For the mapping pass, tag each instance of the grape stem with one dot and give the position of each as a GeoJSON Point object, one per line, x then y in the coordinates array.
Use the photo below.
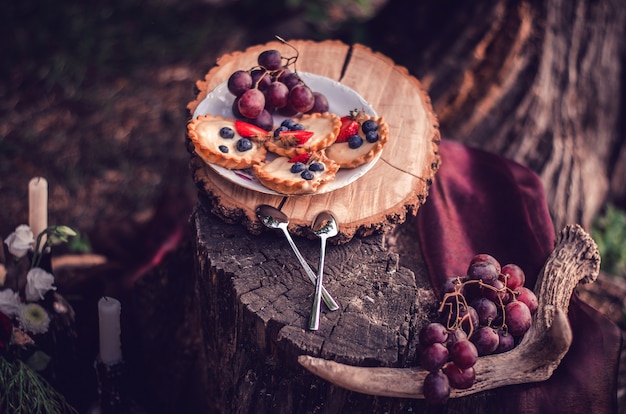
{"type": "Point", "coordinates": [291, 60]}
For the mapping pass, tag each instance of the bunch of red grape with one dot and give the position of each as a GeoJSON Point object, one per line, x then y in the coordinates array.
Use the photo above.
{"type": "Point", "coordinates": [485, 312]}
{"type": "Point", "coordinates": [272, 87]}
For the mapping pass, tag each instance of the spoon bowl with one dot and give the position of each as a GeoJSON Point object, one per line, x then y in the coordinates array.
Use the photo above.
{"type": "Point", "coordinates": [324, 226]}
{"type": "Point", "coordinates": [273, 218]}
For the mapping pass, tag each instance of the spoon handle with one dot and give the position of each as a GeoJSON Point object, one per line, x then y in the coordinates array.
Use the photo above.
{"type": "Point", "coordinates": [328, 300]}
{"type": "Point", "coordinates": [314, 321]}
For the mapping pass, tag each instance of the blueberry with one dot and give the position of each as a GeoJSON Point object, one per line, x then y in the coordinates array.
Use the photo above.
{"type": "Point", "coordinates": [369, 125]}
{"type": "Point", "coordinates": [316, 166]}
{"type": "Point", "coordinates": [371, 136]}
{"type": "Point", "coordinates": [307, 175]}
{"type": "Point", "coordinates": [227, 133]}
{"type": "Point", "coordinates": [355, 141]}
{"type": "Point", "coordinates": [280, 129]}
{"type": "Point", "coordinates": [297, 167]}
{"type": "Point", "coordinates": [223, 148]}
{"type": "Point", "coordinates": [244, 144]}
{"type": "Point", "coordinates": [297, 127]}
{"type": "Point", "coordinates": [289, 123]}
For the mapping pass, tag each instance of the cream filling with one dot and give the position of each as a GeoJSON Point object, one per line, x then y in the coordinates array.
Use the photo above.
{"type": "Point", "coordinates": [209, 133]}
{"type": "Point", "coordinates": [321, 127]}
{"type": "Point", "coordinates": [280, 168]}
{"type": "Point", "coordinates": [341, 153]}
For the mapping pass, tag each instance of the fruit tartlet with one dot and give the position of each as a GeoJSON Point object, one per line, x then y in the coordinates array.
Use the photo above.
{"type": "Point", "coordinates": [360, 140]}
{"type": "Point", "coordinates": [301, 174]}
{"type": "Point", "coordinates": [309, 133]}
{"type": "Point", "coordinates": [226, 142]}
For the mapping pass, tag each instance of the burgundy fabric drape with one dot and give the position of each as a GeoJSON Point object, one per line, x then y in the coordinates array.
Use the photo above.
{"type": "Point", "coordinates": [483, 203]}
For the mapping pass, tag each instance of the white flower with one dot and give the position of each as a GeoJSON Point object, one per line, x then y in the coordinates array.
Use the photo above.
{"type": "Point", "coordinates": [33, 318]}
{"type": "Point", "coordinates": [20, 241]}
{"type": "Point", "coordinates": [9, 302]}
{"type": "Point", "coordinates": [38, 282]}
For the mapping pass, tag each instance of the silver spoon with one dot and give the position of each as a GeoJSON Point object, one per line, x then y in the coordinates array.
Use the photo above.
{"type": "Point", "coordinates": [324, 226]}
{"type": "Point", "coordinates": [275, 219]}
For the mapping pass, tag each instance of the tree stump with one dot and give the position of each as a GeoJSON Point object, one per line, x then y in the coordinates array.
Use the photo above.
{"type": "Point", "coordinates": [254, 302]}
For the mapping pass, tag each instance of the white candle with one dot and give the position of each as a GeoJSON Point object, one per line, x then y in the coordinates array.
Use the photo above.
{"type": "Point", "coordinates": [109, 311]}
{"type": "Point", "coordinates": [38, 206]}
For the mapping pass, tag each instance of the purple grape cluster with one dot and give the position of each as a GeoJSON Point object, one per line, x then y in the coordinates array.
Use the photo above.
{"type": "Point", "coordinates": [486, 311]}
{"type": "Point", "coordinates": [270, 88]}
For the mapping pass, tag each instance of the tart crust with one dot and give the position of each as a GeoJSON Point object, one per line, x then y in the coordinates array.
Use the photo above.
{"type": "Point", "coordinates": [347, 157]}
{"type": "Point", "coordinates": [276, 175]}
{"type": "Point", "coordinates": [204, 132]}
{"type": "Point", "coordinates": [325, 127]}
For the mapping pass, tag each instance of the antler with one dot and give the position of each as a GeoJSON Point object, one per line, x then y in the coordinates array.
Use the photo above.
{"type": "Point", "coordinates": [574, 259]}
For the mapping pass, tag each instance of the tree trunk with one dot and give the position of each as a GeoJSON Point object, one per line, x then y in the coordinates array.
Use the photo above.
{"type": "Point", "coordinates": [538, 82]}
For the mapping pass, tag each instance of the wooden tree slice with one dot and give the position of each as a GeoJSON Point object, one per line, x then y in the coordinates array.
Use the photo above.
{"type": "Point", "coordinates": [398, 183]}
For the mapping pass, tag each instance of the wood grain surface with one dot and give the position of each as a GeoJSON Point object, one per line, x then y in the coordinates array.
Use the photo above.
{"type": "Point", "coordinates": [396, 186]}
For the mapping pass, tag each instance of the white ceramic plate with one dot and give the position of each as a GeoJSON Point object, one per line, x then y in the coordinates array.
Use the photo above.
{"type": "Point", "coordinates": [341, 100]}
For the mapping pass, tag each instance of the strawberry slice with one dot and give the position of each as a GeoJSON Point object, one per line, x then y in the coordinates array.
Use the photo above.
{"type": "Point", "coordinates": [298, 137]}
{"type": "Point", "coordinates": [303, 158]}
{"type": "Point", "coordinates": [349, 127]}
{"type": "Point", "coordinates": [247, 130]}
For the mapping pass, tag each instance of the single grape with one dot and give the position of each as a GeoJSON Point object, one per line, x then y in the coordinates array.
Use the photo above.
{"type": "Point", "coordinates": [290, 79]}
{"type": "Point", "coordinates": [485, 271]}
{"type": "Point", "coordinates": [506, 342]}
{"type": "Point", "coordinates": [459, 378]}
{"type": "Point", "coordinates": [261, 79]}
{"type": "Point", "coordinates": [433, 356]}
{"type": "Point", "coordinates": [436, 388]}
{"type": "Point", "coordinates": [270, 59]}
{"type": "Point", "coordinates": [469, 319]}
{"type": "Point", "coordinates": [432, 333]}
{"type": "Point", "coordinates": [298, 167]}
{"type": "Point", "coordinates": [485, 339]}
{"type": "Point", "coordinates": [485, 258]}
{"type": "Point", "coordinates": [301, 98]}
{"type": "Point", "coordinates": [320, 105]}
{"type": "Point", "coordinates": [513, 275]}
{"type": "Point", "coordinates": [276, 95]}
{"type": "Point", "coordinates": [486, 309]}
{"type": "Point", "coordinates": [288, 110]}
{"type": "Point", "coordinates": [518, 317]}
{"type": "Point", "coordinates": [464, 354]}
{"type": "Point", "coordinates": [471, 291]}
{"type": "Point", "coordinates": [264, 120]}
{"type": "Point", "coordinates": [235, 108]}
{"type": "Point", "coordinates": [239, 82]}
{"type": "Point", "coordinates": [251, 103]}
{"type": "Point", "coordinates": [307, 175]}
{"type": "Point", "coordinates": [527, 296]}
{"type": "Point", "coordinates": [498, 294]}
{"type": "Point", "coordinates": [450, 285]}
{"type": "Point", "coordinates": [454, 336]}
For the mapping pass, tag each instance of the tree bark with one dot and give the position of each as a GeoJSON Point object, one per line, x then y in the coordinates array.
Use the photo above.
{"type": "Point", "coordinates": [538, 82]}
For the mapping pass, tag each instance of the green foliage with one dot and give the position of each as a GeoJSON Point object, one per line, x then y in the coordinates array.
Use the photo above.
{"type": "Point", "coordinates": [609, 233]}
{"type": "Point", "coordinates": [23, 391]}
